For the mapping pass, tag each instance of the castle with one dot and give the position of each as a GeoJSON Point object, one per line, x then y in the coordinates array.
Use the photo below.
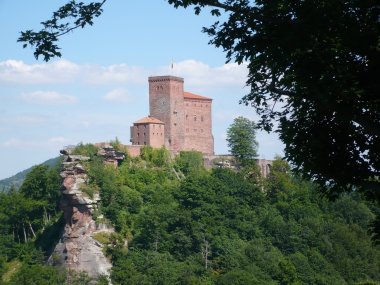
{"type": "Point", "coordinates": [178, 120]}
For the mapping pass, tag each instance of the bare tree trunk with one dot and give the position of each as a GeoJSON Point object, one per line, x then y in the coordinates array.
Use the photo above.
{"type": "Point", "coordinates": [31, 229]}
{"type": "Point", "coordinates": [25, 236]}
{"type": "Point", "coordinates": [156, 244]}
{"type": "Point", "coordinates": [176, 174]}
{"type": "Point", "coordinates": [46, 219]}
{"type": "Point", "coordinates": [206, 252]}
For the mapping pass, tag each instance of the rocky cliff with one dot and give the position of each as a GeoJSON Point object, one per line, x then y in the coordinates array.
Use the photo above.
{"type": "Point", "coordinates": [77, 249]}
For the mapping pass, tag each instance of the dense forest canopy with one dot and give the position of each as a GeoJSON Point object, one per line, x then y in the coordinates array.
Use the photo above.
{"type": "Point", "coordinates": [178, 223]}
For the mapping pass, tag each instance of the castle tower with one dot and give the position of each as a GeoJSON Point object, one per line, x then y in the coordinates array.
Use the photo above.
{"type": "Point", "coordinates": [166, 103]}
{"type": "Point", "coordinates": [198, 123]}
{"type": "Point", "coordinates": [148, 131]}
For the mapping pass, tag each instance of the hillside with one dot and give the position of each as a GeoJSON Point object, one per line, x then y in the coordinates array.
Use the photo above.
{"type": "Point", "coordinates": [178, 223]}
{"type": "Point", "coordinates": [17, 179]}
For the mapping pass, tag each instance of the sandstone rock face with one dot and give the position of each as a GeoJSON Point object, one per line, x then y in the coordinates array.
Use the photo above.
{"type": "Point", "coordinates": [77, 250]}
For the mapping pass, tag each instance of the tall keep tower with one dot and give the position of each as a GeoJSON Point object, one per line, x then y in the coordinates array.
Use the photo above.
{"type": "Point", "coordinates": [166, 103]}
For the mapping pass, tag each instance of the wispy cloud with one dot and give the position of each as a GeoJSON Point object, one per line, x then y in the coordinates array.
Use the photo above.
{"type": "Point", "coordinates": [117, 73]}
{"type": "Point", "coordinates": [201, 76]}
{"type": "Point", "coordinates": [197, 74]}
{"type": "Point", "coordinates": [48, 97]}
{"type": "Point", "coordinates": [119, 95]}
{"type": "Point", "coordinates": [18, 72]}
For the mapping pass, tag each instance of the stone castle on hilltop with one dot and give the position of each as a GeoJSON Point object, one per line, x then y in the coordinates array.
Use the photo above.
{"type": "Point", "coordinates": [178, 120]}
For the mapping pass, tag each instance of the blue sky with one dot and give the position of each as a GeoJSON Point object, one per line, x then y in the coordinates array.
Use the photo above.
{"type": "Point", "coordinates": [100, 86]}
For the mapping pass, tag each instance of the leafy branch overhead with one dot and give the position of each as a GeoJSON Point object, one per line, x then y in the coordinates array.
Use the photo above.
{"type": "Point", "coordinates": [67, 18]}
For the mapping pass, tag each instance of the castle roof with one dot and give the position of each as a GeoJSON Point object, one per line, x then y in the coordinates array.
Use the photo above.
{"type": "Point", "coordinates": [149, 120]}
{"type": "Point", "coordinates": [188, 95]}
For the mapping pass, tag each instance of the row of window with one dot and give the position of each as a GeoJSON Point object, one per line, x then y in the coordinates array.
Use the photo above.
{"type": "Point", "coordinates": [196, 105]}
{"type": "Point", "coordinates": [154, 126]}
{"type": "Point", "coordinates": [138, 134]}
{"type": "Point", "coordinates": [195, 118]}
{"type": "Point", "coordinates": [161, 88]}
{"type": "Point", "coordinates": [194, 130]}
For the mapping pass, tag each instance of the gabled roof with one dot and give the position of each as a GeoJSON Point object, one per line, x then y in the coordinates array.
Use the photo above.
{"type": "Point", "coordinates": [149, 120]}
{"type": "Point", "coordinates": [188, 95]}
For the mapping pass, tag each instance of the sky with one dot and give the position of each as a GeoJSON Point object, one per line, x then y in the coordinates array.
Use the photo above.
{"type": "Point", "coordinates": [99, 86]}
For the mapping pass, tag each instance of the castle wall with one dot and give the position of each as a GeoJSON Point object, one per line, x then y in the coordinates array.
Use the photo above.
{"type": "Point", "coordinates": [134, 150]}
{"type": "Point", "coordinates": [166, 104]}
{"type": "Point", "coordinates": [148, 134]}
{"type": "Point", "coordinates": [198, 126]}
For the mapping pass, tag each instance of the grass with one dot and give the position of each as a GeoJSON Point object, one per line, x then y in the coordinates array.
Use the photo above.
{"type": "Point", "coordinates": [12, 268]}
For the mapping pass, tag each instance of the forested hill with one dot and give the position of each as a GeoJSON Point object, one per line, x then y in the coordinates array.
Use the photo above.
{"type": "Point", "coordinates": [17, 179]}
{"type": "Point", "coordinates": [178, 223]}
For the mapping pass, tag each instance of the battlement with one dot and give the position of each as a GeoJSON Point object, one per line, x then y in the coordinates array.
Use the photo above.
{"type": "Point", "coordinates": [165, 78]}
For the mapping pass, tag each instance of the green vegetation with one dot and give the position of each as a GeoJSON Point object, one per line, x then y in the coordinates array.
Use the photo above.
{"type": "Point", "coordinates": [89, 150]}
{"type": "Point", "coordinates": [17, 179]}
{"type": "Point", "coordinates": [241, 139]}
{"type": "Point", "coordinates": [218, 227]}
{"type": "Point", "coordinates": [178, 223]}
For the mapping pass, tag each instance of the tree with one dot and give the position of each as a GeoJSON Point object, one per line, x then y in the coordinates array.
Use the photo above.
{"type": "Point", "coordinates": [313, 68]}
{"type": "Point", "coordinates": [241, 139]}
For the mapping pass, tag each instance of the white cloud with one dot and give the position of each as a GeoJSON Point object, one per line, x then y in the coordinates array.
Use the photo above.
{"type": "Point", "coordinates": [118, 73]}
{"type": "Point", "coordinates": [118, 95]}
{"type": "Point", "coordinates": [197, 74]}
{"type": "Point", "coordinates": [18, 72]}
{"type": "Point", "coordinates": [201, 76]}
{"type": "Point", "coordinates": [48, 97]}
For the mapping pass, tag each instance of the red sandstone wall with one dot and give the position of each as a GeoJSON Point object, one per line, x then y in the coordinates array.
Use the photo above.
{"type": "Point", "coordinates": [148, 134]}
{"type": "Point", "coordinates": [198, 126]}
{"type": "Point", "coordinates": [156, 134]}
{"type": "Point", "coordinates": [134, 150]}
{"type": "Point", "coordinates": [166, 104]}
{"type": "Point", "coordinates": [139, 134]}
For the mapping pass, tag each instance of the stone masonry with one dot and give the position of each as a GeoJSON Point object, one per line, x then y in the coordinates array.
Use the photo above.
{"type": "Point", "coordinates": [186, 118]}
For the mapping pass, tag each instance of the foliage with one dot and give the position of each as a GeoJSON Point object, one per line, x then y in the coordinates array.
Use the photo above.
{"type": "Point", "coordinates": [210, 227]}
{"type": "Point", "coordinates": [189, 161]}
{"type": "Point", "coordinates": [17, 179]}
{"type": "Point", "coordinates": [90, 190]}
{"type": "Point", "coordinates": [76, 15]}
{"type": "Point", "coordinates": [241, 139]}
{"type": "Point", "coordinates": [290, 235]}
{"type": "Point", "coordinates": [89, 150]}
{"type": "Point", "coordinates": [158, 157]}
{"type": "Point", "coordinates": [318, 61]}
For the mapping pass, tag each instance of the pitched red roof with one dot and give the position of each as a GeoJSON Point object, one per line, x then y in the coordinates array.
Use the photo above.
{"type": "Point", "coordinates": [188, 95]}
{"type": "Point", "coordinates": [149, 120]}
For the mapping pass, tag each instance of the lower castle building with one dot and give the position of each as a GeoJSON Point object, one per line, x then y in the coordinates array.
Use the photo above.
{"type": "Point", "coordinates": [178, 120]}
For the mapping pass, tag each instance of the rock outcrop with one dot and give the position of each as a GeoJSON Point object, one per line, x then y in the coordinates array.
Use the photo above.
{"type": "Point", "coordinates": [77, 249]}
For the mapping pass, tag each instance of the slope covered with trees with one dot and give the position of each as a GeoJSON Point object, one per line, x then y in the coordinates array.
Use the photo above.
{"type": "Point", "coordinates": [17, 179]}
{"type": "Point", "coordinates": [178, 223]}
